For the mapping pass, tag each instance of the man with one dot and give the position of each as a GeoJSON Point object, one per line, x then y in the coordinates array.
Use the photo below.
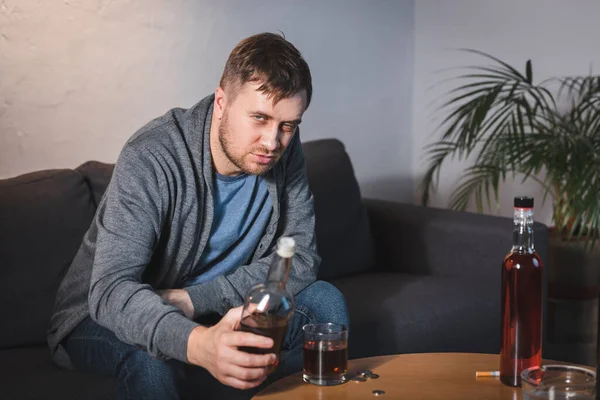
{"type": "Point", "coordinates": [187, 225]}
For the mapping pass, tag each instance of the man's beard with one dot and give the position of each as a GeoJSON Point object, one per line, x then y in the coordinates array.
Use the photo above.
{"type": "Point", "coordinates": [238, 160]}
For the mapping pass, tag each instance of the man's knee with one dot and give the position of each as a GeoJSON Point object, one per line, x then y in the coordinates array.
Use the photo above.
{"type": "Point", "coordinates": [325, 302]}
{"type": "Point", "coordinates": [145, 375]}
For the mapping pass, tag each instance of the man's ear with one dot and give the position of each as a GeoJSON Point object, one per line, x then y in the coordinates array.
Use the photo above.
{"type": "Point", "coordinates": [220, 102]}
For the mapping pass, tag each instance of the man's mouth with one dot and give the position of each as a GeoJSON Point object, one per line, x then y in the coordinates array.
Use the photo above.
{"type": "Point", "coordinates": [264, 159]}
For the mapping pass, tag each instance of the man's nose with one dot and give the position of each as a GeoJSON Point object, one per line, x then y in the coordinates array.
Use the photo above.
{"type": "Point", "coordinates": [270, 139]}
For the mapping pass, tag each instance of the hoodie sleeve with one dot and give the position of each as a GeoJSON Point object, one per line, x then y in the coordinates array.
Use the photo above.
{"type": "Point", "coordinates": [129, 220]}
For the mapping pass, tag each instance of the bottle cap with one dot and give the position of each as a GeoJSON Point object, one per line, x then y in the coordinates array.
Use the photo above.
{"type": "Point", "coordinates": [286, 247]}
{"type": "Point", "coordinates": [523, 202]}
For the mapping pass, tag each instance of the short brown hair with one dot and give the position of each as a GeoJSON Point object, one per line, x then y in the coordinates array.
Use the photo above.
{"type": "Point", "coordinates": [268, 58]}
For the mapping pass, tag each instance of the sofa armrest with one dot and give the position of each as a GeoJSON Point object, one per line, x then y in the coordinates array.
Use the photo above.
{"type": "Point", "coordinates": [421, 240]}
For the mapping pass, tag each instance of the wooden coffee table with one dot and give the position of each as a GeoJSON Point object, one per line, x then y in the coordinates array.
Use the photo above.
{"type": "Point", "coordinates": [406, 376]}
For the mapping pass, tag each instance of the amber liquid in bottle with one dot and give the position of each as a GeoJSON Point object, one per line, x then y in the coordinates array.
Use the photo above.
{"type": "Point", "coordinates": [521, 345]}
{"type": "Point", "coordinates": [269, 306]}
{"type": "Point", "coordinates": [272, 327]}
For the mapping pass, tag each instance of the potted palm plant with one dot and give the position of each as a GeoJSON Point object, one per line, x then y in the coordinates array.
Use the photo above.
{"type": "Point", "coordinates": [548, 132]}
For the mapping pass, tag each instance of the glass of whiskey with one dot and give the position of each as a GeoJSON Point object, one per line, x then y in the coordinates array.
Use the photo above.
{"type": "Point", "coordinates": [325, 354]}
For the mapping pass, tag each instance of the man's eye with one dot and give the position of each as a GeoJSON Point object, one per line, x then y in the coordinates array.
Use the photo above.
{"type": "Point", "coordinates": [259, 117]}
{"type": "Point", "coordinates": [289, 128]}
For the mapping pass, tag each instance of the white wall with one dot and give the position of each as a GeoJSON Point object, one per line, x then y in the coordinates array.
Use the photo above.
{"type": "Point", "coordinates": [78, 77]}
{"type": "Point", "coordinates": [560, 37]}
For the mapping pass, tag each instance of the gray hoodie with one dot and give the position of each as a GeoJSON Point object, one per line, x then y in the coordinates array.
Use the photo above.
{"type": "Point", "coordinates": [151, 227]}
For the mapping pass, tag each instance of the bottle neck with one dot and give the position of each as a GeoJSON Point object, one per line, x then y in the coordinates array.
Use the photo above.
{"type": "Point", "coordinates": [279, 270]}
{"type": "Point", "coordinates": [523, 231]}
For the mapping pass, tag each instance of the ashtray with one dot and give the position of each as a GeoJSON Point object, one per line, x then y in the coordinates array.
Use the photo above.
{"type": "Point", "coordinates": [558, 382]}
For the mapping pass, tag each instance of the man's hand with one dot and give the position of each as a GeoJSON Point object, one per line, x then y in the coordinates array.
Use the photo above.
{"type": "Point", "coordinates": [216, 349]}
{"type": "Point", "coordinates": [178, 298]}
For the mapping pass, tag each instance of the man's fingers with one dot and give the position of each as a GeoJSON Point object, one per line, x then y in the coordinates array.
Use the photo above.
{"type": "Point", "coordinates": [243, 359]}
{"type": "Point", "coordinates": [246, 374]}
{"type": "Point", "coordinates": [247, 339]}
{"type": "Point", "coordinates": [233, 316]}
{"type": "Point", "coordinates": [239, 384]}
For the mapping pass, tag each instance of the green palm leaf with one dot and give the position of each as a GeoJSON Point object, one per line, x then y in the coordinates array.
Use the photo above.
{"type": "Point", "coordinates": [512, 125]}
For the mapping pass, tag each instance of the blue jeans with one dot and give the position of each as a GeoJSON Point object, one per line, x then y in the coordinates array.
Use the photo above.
{"type": "Point", "coordinates": [93, 348]}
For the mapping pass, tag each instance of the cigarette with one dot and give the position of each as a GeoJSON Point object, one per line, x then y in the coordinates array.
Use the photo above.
{"type": "Point", "coordinates": [486, 374]}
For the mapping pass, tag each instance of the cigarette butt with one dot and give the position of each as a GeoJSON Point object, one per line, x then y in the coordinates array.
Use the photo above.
{"type": "Point", "coordinates": [486, 374]}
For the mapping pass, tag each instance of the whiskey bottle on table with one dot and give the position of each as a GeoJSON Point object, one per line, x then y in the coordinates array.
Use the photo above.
{"type": "Point", "coordinates": [521, 342]}
{"type": "Point", "coordinates": [268, 306]}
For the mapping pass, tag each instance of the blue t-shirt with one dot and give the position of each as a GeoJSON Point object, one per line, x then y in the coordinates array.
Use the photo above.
{"type": "Point", "coordinates": [242, 209]}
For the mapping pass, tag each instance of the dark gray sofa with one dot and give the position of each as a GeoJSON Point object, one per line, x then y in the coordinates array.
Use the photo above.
{"type": "Point", "coordinates": [416, 279]}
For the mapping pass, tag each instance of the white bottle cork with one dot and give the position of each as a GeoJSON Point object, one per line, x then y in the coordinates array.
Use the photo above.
{"type": "Point", "coordinates": [286, 247]}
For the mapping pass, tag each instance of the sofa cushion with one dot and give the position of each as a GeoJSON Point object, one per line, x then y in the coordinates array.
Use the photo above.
{"type": "Point", "coordinates": [404, 313]}
{"type": "Point", "coordinates": [98, 176]}
{"type": "Point", "coordinates": [43, 217]}
{"type": "Point", "coordinates": [342, 225]}
{"type": "Point", "coordinates": [30, 374]}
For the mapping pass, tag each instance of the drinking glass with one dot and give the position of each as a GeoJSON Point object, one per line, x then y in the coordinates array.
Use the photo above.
{"type": "Point", "coordinates": [325, 354]}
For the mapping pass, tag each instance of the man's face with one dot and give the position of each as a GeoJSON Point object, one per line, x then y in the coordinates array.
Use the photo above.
{"type": "Point", "coordinates": [254, 132]}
